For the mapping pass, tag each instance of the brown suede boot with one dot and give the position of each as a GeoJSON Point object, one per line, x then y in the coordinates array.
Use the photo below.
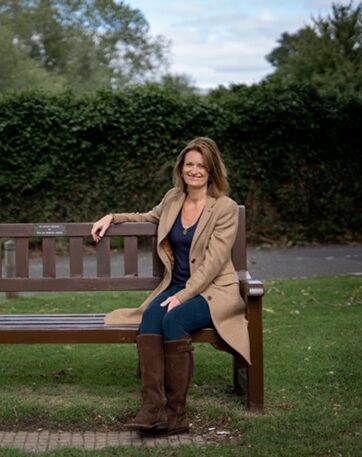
{"type": "Point", "coordinates": [179, 365]}
{"type": "Point", "coordinates": [152, 415]}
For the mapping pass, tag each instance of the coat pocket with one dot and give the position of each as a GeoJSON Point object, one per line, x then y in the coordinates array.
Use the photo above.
{"type": "Point", "coordinates": [226, 279]}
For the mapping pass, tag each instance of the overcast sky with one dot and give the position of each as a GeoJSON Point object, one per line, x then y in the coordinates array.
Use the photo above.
{"type": "Point", "coordinates": [225, 41]}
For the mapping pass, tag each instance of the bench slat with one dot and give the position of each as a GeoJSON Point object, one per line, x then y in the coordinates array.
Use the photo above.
{"type": "Point", "coordinates": [22, 257]}
{"type": "Point", "coordinates": [43, 323]}
{"type": "Point", "coordinates": [157, 265]}
{"type": "Point", "coordinates": [76, 257]}
{"type": "Point", "coordinates": [49, 316]}
{"type": "Point", "coordinates": [26, 335]}
{"type": "Point", "coordinates": [78, 284]}
{"type": "Point", "coordinates": [49, 264]}
{"type": "Point", "coordinates": [104, 257]}
{"type": "Point", "coordinates": [131, 255]}
{"type": "Point", "coordinates": [238, 252]}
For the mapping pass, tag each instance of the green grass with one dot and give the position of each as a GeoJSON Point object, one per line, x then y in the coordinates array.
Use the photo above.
{"type": "Point", "coordinates": [313, 376]}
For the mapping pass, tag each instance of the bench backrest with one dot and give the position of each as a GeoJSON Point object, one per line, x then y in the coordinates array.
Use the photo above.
{"type": "Point", "coordinates": [104, 278]}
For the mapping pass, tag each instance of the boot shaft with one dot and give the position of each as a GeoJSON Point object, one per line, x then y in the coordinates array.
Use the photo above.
{"type": "Point", "coordinates": [152, 370]}
{"type": "Point", "coordinates": [152, 366]}
{"type": "Point", "coordinates": [179, 367]}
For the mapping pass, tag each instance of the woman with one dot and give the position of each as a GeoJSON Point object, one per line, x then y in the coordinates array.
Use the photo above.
{"type": "Point", "coordinates": [197, 226]}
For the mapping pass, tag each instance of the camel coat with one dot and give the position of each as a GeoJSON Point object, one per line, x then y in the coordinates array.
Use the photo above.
{"type": "Point", "coordinates": [212, 272]}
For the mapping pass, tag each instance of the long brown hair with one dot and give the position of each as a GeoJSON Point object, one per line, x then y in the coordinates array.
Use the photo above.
{"type": "Point", "coordinates": [218, 183]}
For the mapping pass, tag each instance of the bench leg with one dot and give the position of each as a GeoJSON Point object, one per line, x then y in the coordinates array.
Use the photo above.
{"type": "Point", "coordinates": [248, 383]}
{"type": "Point", "coordinates": [240, 376]}
{"type": "Point", "coordinates": [255, 389]}
{"type": "Point", "coordinates": [256, 370]}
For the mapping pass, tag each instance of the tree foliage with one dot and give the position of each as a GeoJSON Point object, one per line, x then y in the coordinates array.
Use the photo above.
{"type": "Point", "coordinates": [18, 71]}
{"type": "Point", "coordinates": [181, 83]}
{"type": "Point", "coordinates": [90, 44]}
{"type": "Point", "coordinates": [327, 54]}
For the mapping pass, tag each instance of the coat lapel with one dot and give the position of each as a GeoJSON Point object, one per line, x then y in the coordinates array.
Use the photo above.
{"type": "Point", "coordinates": [205, 216]}
{"type": "Point", "coordinates": [172, 212]}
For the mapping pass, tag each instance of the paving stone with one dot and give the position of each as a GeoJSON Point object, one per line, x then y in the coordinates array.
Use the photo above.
{"type": "Point", "coordinates": [44, 440]}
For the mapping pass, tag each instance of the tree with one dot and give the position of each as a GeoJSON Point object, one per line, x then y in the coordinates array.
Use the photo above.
{"type": "Point", "coordinates": [91, 43]}
{"type": "Point", "coordinates": [19, 71]}
{"type": "Point", "coordinates": [327, 54]}
{"type": "Point", "coordinates": [180, 83]}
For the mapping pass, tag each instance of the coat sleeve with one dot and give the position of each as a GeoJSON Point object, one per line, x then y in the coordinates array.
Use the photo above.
{"type": "Point", "coordinates": [151, 216]}
{"type": "Point", "coordinates": [218, 252]}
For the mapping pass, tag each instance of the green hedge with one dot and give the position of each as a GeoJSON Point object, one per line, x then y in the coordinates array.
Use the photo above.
{"type": "Point", "coordinates": [293, 157]}
{"type": "Point", "coordinates": [298, 161]}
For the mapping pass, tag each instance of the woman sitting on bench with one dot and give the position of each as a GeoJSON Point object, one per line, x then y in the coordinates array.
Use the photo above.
{"type": "Point", "coordinates": [197, 226]}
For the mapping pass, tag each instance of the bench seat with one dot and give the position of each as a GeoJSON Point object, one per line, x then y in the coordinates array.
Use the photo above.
{"type": "Point", "coordinates": [75, 329]}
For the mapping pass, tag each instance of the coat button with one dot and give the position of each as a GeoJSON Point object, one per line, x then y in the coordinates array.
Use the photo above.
{"type": "Point", "coordinates": [193, 260]}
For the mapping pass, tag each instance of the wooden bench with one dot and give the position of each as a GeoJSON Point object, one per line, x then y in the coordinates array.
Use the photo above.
{"type": "Point", "coordinates": [89, 328]}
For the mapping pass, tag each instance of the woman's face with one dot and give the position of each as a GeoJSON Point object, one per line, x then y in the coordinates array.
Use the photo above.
{"type": "Point", "coordinates": [194, 171]}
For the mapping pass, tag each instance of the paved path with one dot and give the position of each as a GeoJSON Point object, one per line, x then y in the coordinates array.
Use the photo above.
{"type": "Point", "coordinates": [41, 441]}
{"type": "Point", "coordinates": [301, 262]}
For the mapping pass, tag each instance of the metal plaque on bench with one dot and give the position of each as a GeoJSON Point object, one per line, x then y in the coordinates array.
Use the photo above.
{"type": "Point", "coordinates": [49, 230]}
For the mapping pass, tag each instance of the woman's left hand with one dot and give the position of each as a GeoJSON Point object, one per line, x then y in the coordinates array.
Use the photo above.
{"type": "Point", "coordinates": [171, 302]}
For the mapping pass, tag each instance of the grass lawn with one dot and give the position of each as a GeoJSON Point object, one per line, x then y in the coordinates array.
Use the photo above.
{"type": "Point", "coordinates": [313, 376]}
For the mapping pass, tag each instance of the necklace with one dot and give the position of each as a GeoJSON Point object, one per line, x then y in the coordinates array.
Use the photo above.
{"type": "Point", "coordinates": [184, 229]}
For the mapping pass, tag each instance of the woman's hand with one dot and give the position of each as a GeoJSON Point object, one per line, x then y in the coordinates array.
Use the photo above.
{"type": "Point", "coordinates": [171, 302]}
{"type": "Point", "coordinates": [100, 227]}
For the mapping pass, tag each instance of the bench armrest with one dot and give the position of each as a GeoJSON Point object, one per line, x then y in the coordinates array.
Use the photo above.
{"type": "Point", "coordinates": [250, 287]}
